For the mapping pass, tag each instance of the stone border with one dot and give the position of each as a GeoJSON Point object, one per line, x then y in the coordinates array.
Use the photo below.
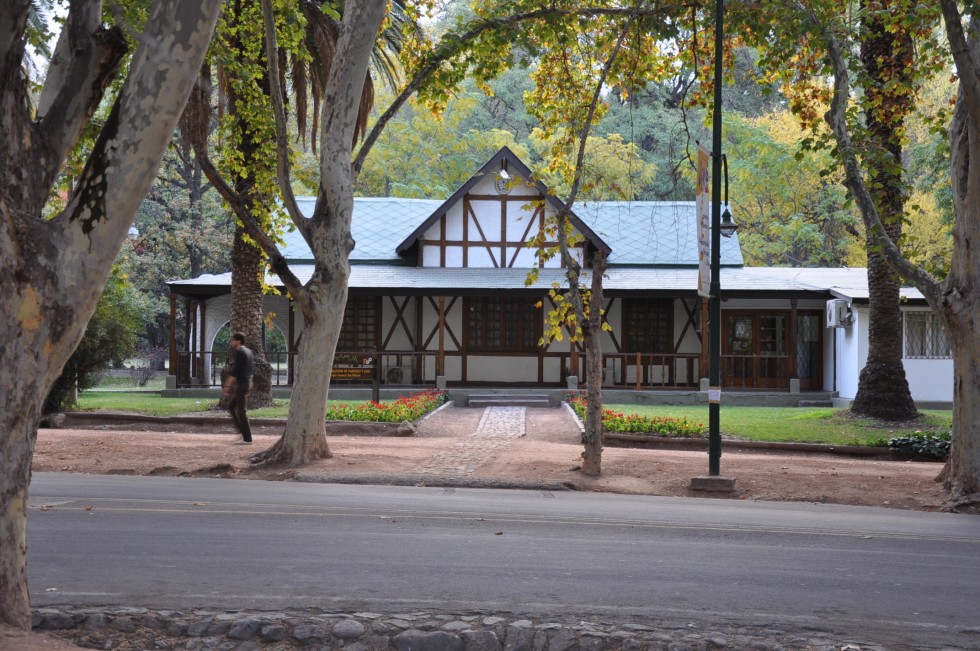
{"type": "Point", "coordinates": [164, 630]}
{"type": "Point", "coordinates": [334, 427]}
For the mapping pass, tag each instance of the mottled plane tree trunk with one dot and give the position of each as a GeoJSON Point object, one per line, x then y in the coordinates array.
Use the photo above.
{"type": "Point", "coordinates": [322, 299]}
{"type": "Point", "coordinates": [52, 271]}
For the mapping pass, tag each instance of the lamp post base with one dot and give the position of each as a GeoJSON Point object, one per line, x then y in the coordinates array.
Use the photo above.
{"type": "Point", "coordinates": [713, 484]}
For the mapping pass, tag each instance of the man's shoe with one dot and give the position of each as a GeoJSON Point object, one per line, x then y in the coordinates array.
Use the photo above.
{"type": "Point", "coordinates": [242, 442]}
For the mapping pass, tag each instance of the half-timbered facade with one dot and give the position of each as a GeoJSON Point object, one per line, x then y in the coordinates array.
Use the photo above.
{"type": "Point", "coordinates": [441, 289]}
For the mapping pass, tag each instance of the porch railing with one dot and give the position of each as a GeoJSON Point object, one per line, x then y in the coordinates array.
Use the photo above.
{"type": "Point", "coordinates": [622, 370]}
{"type": "Point", "coordinates": [755, 371]}
{"type": "Point", "coordinates": [203, 369]}
{"type": "Point", "coordinates": [651, 370]}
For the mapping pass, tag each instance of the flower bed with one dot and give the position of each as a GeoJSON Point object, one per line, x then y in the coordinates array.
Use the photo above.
{"type": "Point", "coordinates": [407, 408]}
{"type": "Point", "coordinates": [616, 422]}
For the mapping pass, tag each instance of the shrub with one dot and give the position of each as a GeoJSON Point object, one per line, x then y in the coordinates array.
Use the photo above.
{"type": "Point", "coordinates": [405, 408]}
{"type": "Point", "coordinates": [614, 421]}
{"type": "Point", "coordinates": [923, 444]}
{"type": "Point", "coordinates": [109, 339]}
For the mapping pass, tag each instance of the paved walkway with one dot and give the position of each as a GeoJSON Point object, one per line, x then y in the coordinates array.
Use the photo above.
{"type": "Point", "coordinates": [498, 428]}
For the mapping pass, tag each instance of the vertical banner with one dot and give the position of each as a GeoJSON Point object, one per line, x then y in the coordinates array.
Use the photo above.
{"type": "Point", "coordinates": [702, 198]}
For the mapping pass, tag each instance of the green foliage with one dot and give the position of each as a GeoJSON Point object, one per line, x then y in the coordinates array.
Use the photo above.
{"type": "Point", "coordinates": [615, 421]}
{"type": "Point", "coordinates": [923, 444]}
{"type": "Point", "coordinates": [183, 232]}
{"type": "Point", "coordinates": [406, 408]}
{"type": "Point", "coordinates": [613, 169]}
{"type": "Point", "coordinates": [109, 339]}
{"type": "Point", "coordinates": [422, 155]}
{"type": "Point", "coordinates": [790, 212]}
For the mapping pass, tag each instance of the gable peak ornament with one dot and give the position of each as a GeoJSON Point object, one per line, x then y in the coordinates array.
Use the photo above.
{"type": "Point", "coordinates": [502, 182]}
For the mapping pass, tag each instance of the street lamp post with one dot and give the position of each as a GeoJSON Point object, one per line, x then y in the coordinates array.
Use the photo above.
{"type": "Point", "coordinates": [714, 481]}
{"type": "Point", "coordinates": [714, 303]}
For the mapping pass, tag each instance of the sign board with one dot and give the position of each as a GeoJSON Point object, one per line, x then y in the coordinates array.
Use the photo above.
{"type": "Point", "coordinates": [702, 202]}
{"type": "Point", "coordinates": [353, 366]}
{"type": "Point", "coordinates": [352, 373]}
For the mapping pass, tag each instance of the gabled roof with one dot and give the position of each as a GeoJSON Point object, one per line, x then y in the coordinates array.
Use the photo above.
{"type": "Point", "coordinates": [660, 233]}
{"type": "Point", "coordinates": [493, 166]}
{"type": "Point", "coordinates": [768, 282]}
{"type": "Point", "coordinates": [640, 233]}
{"type": "Point", "coordinates": [378, 225]}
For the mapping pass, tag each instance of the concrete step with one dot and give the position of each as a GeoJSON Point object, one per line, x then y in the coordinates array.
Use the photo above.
{"type": "Point", "coordinates": [508, 400]}
{"type": "Point", "coordinates": [815, 403]}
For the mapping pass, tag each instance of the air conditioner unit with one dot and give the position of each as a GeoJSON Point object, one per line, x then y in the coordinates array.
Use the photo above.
{"type": "Point", "coordinates": [398, 375]}
{"type": "Point", "coordinates": [839, 313]}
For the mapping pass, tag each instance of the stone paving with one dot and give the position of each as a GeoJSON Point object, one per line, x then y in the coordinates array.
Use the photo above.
{"type": "Point", "coordinates": [127, 629]}
{"type": "Point", "coordinates": [498, 428]}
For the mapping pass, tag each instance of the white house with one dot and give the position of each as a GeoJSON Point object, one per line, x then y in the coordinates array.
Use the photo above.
{"type": "Point", "coordinates": [439, 288]}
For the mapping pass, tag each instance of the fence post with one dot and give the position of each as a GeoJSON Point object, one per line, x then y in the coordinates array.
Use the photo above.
{"type": "Point", "coordinates": [638, 371]}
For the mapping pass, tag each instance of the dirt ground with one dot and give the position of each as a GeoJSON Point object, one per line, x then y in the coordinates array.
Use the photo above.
{"type": "Point", "coordinates": [549, 453]}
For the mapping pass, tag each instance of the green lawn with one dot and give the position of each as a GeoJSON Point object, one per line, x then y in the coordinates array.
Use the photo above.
{"type": "Point", "coordinates": [125, 383]}
{"type": "Point", "coordinates": [152, 404]}
{"type": "Point", "coordinates": [799, 424]}
{"type": "Point", "coordinates": [809, 425]}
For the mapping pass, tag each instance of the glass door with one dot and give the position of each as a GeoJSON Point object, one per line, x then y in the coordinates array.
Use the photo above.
{"type": "Point", "coordinates": [754, 350]}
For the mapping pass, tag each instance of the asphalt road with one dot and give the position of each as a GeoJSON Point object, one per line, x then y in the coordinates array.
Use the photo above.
{"type": "Point", "coordinates": [183, 543]}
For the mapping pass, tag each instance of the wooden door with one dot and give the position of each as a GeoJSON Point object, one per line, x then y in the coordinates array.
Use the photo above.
{"type": "Point", "coordinates": [755, 350]}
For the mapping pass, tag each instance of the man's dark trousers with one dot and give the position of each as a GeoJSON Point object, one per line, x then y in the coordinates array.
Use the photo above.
{"type": "Point", "coordinates": [237, 409]}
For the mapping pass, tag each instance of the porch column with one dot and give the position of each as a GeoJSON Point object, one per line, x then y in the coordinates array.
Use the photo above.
{"type": "Point", "coordinates": [419, 357]}
{"type": "Point", "coordinates": [290, 339]}
{"type": "Point", "coordinates": [202, 326]}
{"type": "Point", "coordinates": [441, 359]}
{"type": "Point", "coordinates": [189, 337]}
{"type": "Point", "coordinates": [791, 353]}
{"type": "Point", "coordinates": [172, 370]}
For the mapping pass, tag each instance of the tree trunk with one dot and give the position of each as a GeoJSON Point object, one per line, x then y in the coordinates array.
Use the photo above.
{"type": "Point", "coordinates": [883, 390]}
{"type": "Point", "coordinates": [328, 232]}
{"type": "Point", "coordinates": [960, 296]}
{"type": "Point", "coordinates": [962, 475]}
{"type": "Point", "coordinates": [592, 339]}
{"type": "Point", "coordinates": [247, 317]}
{"type": "Point", "coordinates": [19, 422]}
{"type": "Point", "coordinates": [305, 436]}
{"type": "Point", "coordinates": [53, 270]}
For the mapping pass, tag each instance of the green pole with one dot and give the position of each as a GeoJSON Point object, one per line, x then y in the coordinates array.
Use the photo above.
{"type": "Point", "coordinates": [714, 303]}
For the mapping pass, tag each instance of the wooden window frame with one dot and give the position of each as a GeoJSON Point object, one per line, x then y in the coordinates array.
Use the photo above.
{"type": "Point", "coordinates": [359, 310]}
{"type": "Point", "coordinates": [663, 309]}
{"type": "Point", "coordinates": [485, 332]}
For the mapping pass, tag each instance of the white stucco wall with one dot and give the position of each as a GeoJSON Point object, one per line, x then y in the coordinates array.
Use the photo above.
{"type": "Point", "coordinates": [481, 368]}
{"type": "Point", "coordinates": [852, 352]}
{"type": "Point", "coordinates": [930, 380]}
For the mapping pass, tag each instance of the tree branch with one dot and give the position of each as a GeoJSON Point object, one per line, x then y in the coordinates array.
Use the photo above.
{"type": "Point", "coordinates": [85, 61]}
{"type": "Point", "coordinates": [966, 66]}
{"type": "Point", "coordinates": [450, 47]}
{"type": "Point", "coordinates": [277, 262]}
{"type": "Point", "coordinates": [282, 143]}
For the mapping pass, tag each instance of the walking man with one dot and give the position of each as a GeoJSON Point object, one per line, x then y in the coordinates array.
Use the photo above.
{"type": "Point", "coordinates": [238, 385]}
